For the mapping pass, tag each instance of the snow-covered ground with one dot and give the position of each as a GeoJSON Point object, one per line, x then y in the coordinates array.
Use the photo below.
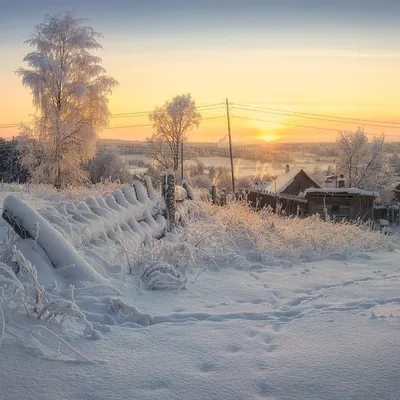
{"type": "Point", "coordinates": [272, 309]}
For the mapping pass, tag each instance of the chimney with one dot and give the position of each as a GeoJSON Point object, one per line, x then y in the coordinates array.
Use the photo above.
{"type": "Point", "coordinates": [341, 181]}
{"type": "Point", "coordinates": [286, 168]}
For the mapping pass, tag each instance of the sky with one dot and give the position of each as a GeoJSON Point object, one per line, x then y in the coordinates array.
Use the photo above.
{"type": "Point", "coordinates": [273, 59]}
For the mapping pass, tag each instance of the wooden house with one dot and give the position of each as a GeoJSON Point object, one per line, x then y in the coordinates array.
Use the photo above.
{"type": "Point", "coordinates": [293, 182]}
{"type": "Point", "coordinates": [341, 203]}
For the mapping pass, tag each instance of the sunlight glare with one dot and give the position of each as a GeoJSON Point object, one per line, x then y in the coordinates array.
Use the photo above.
{"type": "Point", "coordinates": [268, 137]}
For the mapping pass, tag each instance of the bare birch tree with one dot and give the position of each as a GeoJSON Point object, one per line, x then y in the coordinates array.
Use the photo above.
{"type": "Point", "coordinates": [172, 124]}
{"type": "Point", "coordinates": [363, 162]}
{"type": "Point", "coordinates": [69, 89]}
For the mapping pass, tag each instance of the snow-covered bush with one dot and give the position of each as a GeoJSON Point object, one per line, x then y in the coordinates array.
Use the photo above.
{"type": "Point", "coordinates": [237, 236]}
{"type": "Point", "coordinates": [201, 181]}
{"type": "Point", "coordinates": [162, 276]}
{"type": "Point", "coordinates": [107, 165]}
{"type": "Point", "coordinates": [30, 293]}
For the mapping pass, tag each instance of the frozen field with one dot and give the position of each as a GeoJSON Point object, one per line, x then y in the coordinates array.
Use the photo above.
{"type": "Point", "coordinates": [272, 309]}
{"type": "Point", "coordinates": [242, 167]}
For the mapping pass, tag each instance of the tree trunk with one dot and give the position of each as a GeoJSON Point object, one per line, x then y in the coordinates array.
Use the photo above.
{"type": "Point", "coordinates": [58, 180]}
{"type": "Point", "coordinates": [57, 161]}
{"type": "Point", "coordinates": [176, 157]}
{"type": "Point", "coordinates": [58, 155]}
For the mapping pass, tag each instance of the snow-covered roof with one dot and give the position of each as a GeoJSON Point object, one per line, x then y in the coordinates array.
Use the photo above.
{"type": "Point", "coordinates": [283, 181]}
{"type": "Point", "coordinates": [353, 191]}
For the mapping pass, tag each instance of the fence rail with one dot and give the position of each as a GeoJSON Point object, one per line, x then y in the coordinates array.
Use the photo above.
{"type": "Point", "coordinates": [289, 203]}
{"type": "Point", "coordinates": [135, 212]}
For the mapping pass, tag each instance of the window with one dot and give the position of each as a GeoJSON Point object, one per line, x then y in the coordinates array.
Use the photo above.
{"type": "Point", "coordinates": [335, 208]}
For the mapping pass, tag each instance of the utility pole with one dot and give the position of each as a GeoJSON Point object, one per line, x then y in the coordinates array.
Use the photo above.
{"type": "Point", "coordinates": [181, 162]}
{"type": "Point", "coordinates": [12, 159]}
{"type": "Point", "coordinates": [230, 146]}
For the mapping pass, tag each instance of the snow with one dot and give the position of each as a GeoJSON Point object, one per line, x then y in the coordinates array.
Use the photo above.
{"type": "Point", "coordinates": [282, 182]}
{"type": "Point", "coordinates": [354, 191]}
{"type": "Point", "coordinates": [62, 254]}
{"type": "Point", "coordinates": [263, 307]}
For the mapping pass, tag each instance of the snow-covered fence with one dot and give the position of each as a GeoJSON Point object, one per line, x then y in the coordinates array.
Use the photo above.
{"type": "Point", "coordinates": [223, 197]}
{"type": "Point", "coordinates": [28, 223]}
{"type": "Point", "coordinates": [278, 202]}
{"type": "Point", "coordinates": [170, 198]}
{"type": "Point", "coordinates": [135, 211]}
{"type": "Point", "coordinates": [214, 194]}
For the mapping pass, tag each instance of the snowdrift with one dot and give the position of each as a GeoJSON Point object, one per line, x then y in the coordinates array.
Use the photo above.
{"type": "Point", "coordinates": [129, 214]}
{"type": "Point", "coordinates": [73, 256]}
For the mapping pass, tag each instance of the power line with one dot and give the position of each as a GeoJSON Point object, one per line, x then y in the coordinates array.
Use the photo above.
{"type": "Point", "coordinates": [204, 107]}
{"type": "Point", "coordinates": [314, 118]}
{"type": "Point", "coordinates": [127, 126]}
{"type": "Point", "coordinates": [147, 125]}
{"type": "Point", "coordinates": [300, 126]}
{"type": "Point", "coordinates": [15, 125]}
{"type": "Point", "coordinates": [146, 113]}
{"type": "Point", "coordinates": [360, 120]}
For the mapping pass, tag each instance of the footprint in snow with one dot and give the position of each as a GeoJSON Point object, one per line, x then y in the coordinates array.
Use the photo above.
{"type": "Point", "coordinates": [252, 333]}
{"type": "Point", "coordinates": [156, 384]}
{"type": "Point", "coordinates": [232, 348]}
{"type": "Point", "coordinates": [270, 347]}
{"type": "Point", "coordinates": [256, 301]}
{"type": "Point", "coordinates": [269, 338]}
{"type": "Point", "coordinates": [207, 367]}
{"type": "Point", "coordinates": [264, 388]}
{"type": "Point", "coordinates": [179, 310]}
{"type": "Point", "coordinates": [254, 276]}
{"type": "Point", "coordinates": [251, 301]}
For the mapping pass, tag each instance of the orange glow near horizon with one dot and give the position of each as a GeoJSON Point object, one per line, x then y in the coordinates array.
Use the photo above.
{"type": "Point", "coordinates": [268, 137]}
{"type": "Point", "coordinates": [299, 82]}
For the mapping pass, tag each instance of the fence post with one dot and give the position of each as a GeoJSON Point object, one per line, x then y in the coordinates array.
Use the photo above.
{"type": "Point", "coordinates": [223, 197]}
{"type": "Point", "coordinates": [189, 191]}
{"type": "Point", "coordinates": [170, 199]}
{"type": "Point", "coordinates": [214, 194]}
{"type": "Point", "coordinates": [163, 178]}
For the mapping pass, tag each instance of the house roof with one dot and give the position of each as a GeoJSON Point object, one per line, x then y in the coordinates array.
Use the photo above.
{"type": "Point", "coordinates": [283, 181]}
{"type": "Point", "coordinates": [353, 191]}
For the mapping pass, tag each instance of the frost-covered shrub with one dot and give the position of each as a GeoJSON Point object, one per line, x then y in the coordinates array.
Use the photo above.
{"type": "Point", "coordinates": [201, 182]}
{"type": "Point", "coordinates": [237, 236]}
{"type": "Point", "coordinates": [162, 276]}
{"type": "Point", "coordinates": [107, 165]}
{"type": "Point", "coordinates": [26, 290]}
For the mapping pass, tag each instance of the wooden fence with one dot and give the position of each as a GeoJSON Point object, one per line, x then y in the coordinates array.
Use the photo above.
{"type": "Point", "coordinates": [288, 204]}
{"type": "Point", "coordinates": [136, 211]}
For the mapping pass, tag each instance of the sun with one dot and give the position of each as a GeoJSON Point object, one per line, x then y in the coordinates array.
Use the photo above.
{"type": "Point", "coordinates": [266, 131]}
{"type": "Point", "coordinates": [268, 137]}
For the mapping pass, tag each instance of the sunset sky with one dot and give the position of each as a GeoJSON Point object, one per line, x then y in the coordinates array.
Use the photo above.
{"type": "Point", "coordinates": [330, 57]}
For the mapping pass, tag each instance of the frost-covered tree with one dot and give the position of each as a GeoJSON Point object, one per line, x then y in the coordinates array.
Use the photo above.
{"type": "Point", "coordinates": [69, 89]}
{"type": "Point", "coordinates": [172, 124]}
{"type": "Point", "coordinates": [11, 166]}
{"type": "Point", "coordinates": [364, 163]}
{"type": "Point", "coordinates": [107, 165]}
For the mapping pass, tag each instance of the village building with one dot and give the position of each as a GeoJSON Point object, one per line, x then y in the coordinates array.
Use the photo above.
{"type": "Point", "coordinates": [341, 203]}
{"type": "Point", "coordinates": [293, 182]}
{"type": "Point", "coordinates": [296, 190]}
